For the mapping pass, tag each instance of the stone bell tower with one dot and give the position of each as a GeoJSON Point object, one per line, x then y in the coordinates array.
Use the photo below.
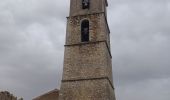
{"type": "Point", "coordinates": [87, 72]}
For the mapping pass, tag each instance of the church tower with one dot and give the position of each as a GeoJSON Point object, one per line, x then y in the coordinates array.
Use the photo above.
{"type": "Point", "coordinates": [87, 72]}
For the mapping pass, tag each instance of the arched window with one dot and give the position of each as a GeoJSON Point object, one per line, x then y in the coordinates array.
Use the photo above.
{"type": "Point", "coordinates": [85, 4]}
{"type": "Point", "coordinates": [85, 31]}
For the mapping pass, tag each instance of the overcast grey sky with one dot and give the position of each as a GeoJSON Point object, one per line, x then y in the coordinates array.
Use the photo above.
{"type": "Point", "coordinates": [32, 35]}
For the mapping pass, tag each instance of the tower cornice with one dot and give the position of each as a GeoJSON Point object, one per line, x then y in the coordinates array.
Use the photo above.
{"type": "Point", "coordinates": [84, 43]}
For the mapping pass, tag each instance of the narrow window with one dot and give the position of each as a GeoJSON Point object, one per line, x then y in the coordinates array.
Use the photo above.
{"type": "Point", "coordinates": [85, 4]}
{"type": "Point", "coordinates": [85, 31]}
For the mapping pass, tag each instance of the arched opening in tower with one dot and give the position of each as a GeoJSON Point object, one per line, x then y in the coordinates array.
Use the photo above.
{"type": "Point", "coordinates": [85, 31]}
{"type": "Point", "coordinates": [85, 4]}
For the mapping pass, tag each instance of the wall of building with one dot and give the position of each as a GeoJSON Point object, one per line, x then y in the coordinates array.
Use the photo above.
{"type": "Point", "coordinates": [5, 95]}
{"type": "Point", "coordinates": [52, 95]}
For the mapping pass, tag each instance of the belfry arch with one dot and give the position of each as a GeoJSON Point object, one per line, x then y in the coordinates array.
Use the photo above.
{"type": "Point", "coordinates": [85, 30]}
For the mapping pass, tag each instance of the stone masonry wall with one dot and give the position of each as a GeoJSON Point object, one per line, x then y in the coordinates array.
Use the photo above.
{"type": "Point", "coordinates": [99, 89]}
{"type": "Point", "coordinates": [85, 61]}
{"type": "Point", "coordinates": [87, 72]}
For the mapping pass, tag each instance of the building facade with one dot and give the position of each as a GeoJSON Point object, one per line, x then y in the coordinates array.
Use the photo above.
{"type": "Point", "coordinates": [51, 95]}
{"type": "Point", "coordinates": [5, 95]}
{"type": "Point", "coordinates": [87, 72]}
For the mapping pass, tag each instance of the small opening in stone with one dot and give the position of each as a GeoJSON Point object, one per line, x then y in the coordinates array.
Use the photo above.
{"type": "Point", "coordinates": [85, 31]}
{"type": "Point", "coordinates": [85, 4]}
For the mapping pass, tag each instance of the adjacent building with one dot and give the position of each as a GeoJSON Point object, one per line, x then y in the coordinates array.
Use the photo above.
{"type": "Point", "coordinates": [51, 95]}
{"type": "Point", "coordinates": [5, 95]}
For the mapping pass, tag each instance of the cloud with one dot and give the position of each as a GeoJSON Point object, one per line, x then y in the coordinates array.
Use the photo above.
{"type": "Point", "coordinates": [31, 46]}
{"type": "Point", "coordinates": [140, 48]}
{"type": "Point", "coordinates": [32, 35]}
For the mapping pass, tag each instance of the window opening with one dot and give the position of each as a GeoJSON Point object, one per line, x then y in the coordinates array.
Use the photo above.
{"type": "Point", "coordinates": [85, 31]}
{"type": "Point", "coordinates": [85, 4]}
